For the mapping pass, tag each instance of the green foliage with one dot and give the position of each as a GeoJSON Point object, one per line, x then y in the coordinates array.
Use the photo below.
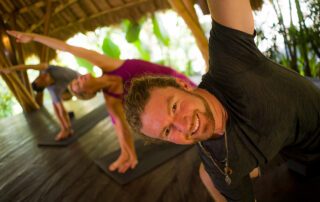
{"type": "Point", "coordinates": [110, 49]}
{"type": "Point", "coordinates": [6, 101]}
{"type": "Point", "coordinates": [125, 25]}
{"type": "Point", "coordinates": [159, 30]}
{"type": "Point", "coordinates": [133, 31]}
{"type": "Point", "coordinates": [85, 63]}
{"type": "Point", "coordinates": [189, 70]}
{"type": "Point", "coordinates": [301, 42]}
{"type": "Point", "coordinates": [161, 62]}
{"type": "Point", "coordinates": [144, 51]}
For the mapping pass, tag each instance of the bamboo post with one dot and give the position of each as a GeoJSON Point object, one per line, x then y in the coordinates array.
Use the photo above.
{"type": "Point", "coordinates": [20, 60]}
{"type": "Point", "coordinates": [12, 80]}
{"type": "Point", "coordinates": [45, 50]}
{"type": "Point", "coordinates": [186, 10]}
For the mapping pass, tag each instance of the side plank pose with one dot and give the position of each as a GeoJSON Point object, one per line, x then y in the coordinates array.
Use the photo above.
{"type": "Point", "coordinates": [116, 77]}
{"type": "Point", "coordinates": [56, 79]}
{"type": "Point", "coordinates": [245, 111]}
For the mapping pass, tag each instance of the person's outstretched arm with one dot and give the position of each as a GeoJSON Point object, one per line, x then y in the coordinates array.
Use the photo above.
{"type": "Point", "coordinates": [104, 62]}
{"type": "Point", "coordinates": [39, 67]}
{"type": "Point", "coordinates": [236, 14]}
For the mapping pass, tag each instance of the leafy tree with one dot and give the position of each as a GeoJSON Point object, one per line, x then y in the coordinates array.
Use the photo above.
{"type": "Point", "coordinates": [6, 101]}
{"type": "Point", "coordinates": [110, 48]}
{"type": "Point", "coordinates": [85, 63]}
{"type": "Point", "coordinates": [159, 30]}
{"type": "Point", "coordinates": [302, 41]}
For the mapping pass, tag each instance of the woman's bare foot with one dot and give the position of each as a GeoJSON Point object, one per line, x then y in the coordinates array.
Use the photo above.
{"type": "Point", "coordinates": [63, 134]}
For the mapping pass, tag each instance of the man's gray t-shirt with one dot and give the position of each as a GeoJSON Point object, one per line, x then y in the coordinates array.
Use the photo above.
{"type": "Point", "coordinates": [62, 77]}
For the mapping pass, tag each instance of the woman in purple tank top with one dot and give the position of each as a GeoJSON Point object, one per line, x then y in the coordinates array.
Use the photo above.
{"type": "Point", "coordinates": [117, 75]}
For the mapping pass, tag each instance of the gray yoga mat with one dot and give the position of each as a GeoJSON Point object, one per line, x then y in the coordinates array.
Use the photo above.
{"type": "Point", "coordinates": [80, 127]}
{"type": "Point", "coordinates": [150, 156]}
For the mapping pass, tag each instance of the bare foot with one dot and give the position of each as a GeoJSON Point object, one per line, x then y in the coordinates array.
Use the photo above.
{"type": "Point", "coordinates": [63, 134]}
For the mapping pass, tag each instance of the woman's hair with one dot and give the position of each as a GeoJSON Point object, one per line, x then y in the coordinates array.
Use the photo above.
{"type": "Point", "coordinates": [82, 95]}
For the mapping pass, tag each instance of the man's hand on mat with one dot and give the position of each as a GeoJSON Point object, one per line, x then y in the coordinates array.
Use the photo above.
{"type": "Point", "coordinates": [124, 162]}
{"type": "Point", "coordinates": [63, 134]}
{"type": "Point", "coordinates": [21, 37]}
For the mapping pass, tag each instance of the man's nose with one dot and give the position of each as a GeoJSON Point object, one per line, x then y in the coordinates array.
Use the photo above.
{"type": "Point", "coordinates": [182, 123]}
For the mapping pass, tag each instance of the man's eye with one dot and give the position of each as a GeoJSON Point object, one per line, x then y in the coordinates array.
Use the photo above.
{"type": "Point", "coordinates": [167, 132]}
{"type": "Point", "coordinates": [174, 107]}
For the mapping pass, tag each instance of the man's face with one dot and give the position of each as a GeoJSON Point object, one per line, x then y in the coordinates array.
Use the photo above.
{"type": "Point", "coordinates": [83, 84]}
{"type": "Point", "coordinates": [177, 116]}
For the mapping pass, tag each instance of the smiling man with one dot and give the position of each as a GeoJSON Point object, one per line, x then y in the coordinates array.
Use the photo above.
{"type": "Point", "coordinates": [178, 112]}
{"type": "Point", "coordinates": [246, 110]}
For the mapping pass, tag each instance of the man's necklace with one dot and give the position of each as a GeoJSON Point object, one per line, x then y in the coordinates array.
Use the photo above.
{"type": "Point", "coordinates": [227, 171]}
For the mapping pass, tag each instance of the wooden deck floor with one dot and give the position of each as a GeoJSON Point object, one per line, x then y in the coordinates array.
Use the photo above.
{"type": "Point", "coordinates": [32, 173]}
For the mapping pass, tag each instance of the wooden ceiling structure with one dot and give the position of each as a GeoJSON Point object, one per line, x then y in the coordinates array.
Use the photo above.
{"type": "Point", "coordinates": [64, 18]}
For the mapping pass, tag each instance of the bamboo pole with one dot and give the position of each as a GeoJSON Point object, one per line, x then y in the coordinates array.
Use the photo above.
{"type": "Point", "coordinates": [15, 85]}
{"type": "Point", "coordinates": [22, 95]}
{"type": "Point", "coordinates": [45, 50]}
{"type": "Point", "coordinates": [7, 58]}
{"type": "Point", "coordinates": [20, 60]}
{"type": "Point", "coordinates": [47, 18]}
{"type": "Point", "coordinates": [186, 10]}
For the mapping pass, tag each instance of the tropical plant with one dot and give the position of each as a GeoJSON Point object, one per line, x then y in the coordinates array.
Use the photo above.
{"type": "Point", "coordinates": [301, 41]}
{"type": "Point", "coordinates": [6, 101]}
{"type": "Point", "coordinates": [85, 63]}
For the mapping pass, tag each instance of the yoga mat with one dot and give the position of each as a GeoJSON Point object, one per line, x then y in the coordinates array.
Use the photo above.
{"type": "Point", "coordinates": [149, 156]}
{"type": "Point", "coordinates": [80, 127]}
{"type": "Point", "coordinates": [315, 81]}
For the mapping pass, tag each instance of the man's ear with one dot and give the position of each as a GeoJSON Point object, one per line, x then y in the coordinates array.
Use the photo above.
{"type": "Point", "coordinates": [184, 84]}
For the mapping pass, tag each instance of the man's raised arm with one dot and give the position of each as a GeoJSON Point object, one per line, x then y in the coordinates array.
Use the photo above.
{"type": "Point", "coordinates": [235, 14]}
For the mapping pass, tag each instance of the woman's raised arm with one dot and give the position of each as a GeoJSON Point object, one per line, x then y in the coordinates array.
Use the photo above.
{"type": "Point", "coordinates": [104, 62]}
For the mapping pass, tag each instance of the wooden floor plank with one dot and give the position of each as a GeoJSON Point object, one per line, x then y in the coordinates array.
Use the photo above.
{"type": "Point", "coordinates": [32, 173]}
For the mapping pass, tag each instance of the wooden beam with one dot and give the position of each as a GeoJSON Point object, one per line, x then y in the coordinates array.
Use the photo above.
{"type": "Point", "coordinates": [23, 96]}
{"type": "Point", "coordinates": [20, 60]}
{"type": "Point", "coordinates": [28, 8]}
{"type": "Point", "coordinates": [45, 50]}
{"type": "Point", "coordinates": [36, 5]}
{"type": "Point", "coordinates": [128, 5]}
{"type": "Point", "coordinates": [58, 9]}
{"type": "Point", "coordinates": [47, 18]}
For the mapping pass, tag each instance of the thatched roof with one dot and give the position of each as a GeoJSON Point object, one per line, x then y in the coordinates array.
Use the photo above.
{"type": "Point", "coordinates": [64, 18]}
{"type": "Point", "coordinates": [69, 17]}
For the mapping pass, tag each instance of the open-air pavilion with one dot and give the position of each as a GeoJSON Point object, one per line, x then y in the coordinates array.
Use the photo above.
{"type": "Point", "coordinates": [32, 173]}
